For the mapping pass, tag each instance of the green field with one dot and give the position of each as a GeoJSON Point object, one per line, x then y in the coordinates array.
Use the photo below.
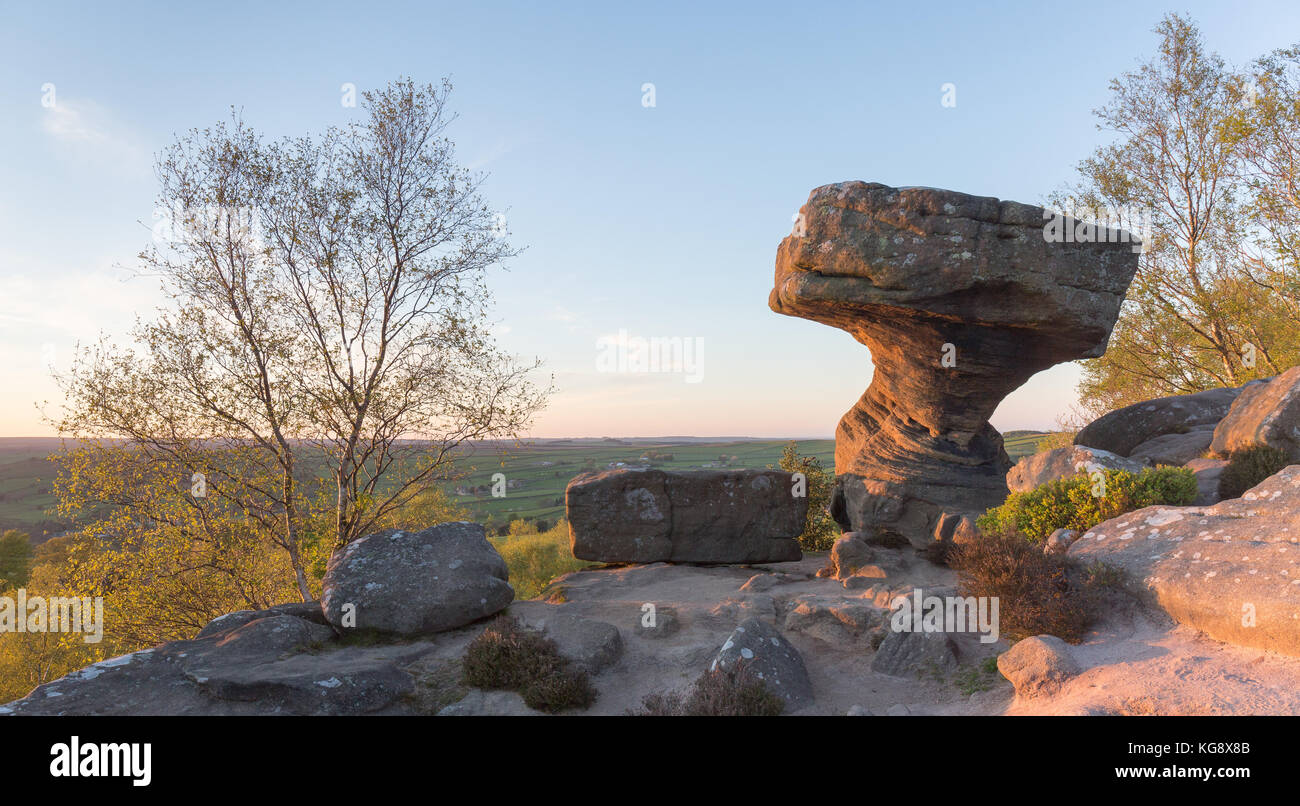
{"type": "Point", "coordinates": [535, 471]}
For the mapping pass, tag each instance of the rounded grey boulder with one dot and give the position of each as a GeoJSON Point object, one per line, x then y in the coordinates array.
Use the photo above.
{"type": "Point", "coordinates": [409, 583]}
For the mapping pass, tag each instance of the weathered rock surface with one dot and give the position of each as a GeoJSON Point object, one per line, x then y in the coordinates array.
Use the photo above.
{"type": "Point", "coordinates": [722, 516]}
{"type": "Point", "coordinates": [904, 654]}
{"type": "Point", "coordinates": [763, 652]}
{"type": "Point", "coordinates": [1264, 414]}
{"type": "Point", "coordinates": [1207, 473]}
{"type": "Point", "coordinates": [1059, 541]}
{"type": "Point", "coordinates": [1059, 463]}
{"type": "Point", "coordinates": [271, 664]}
{"type": "Point", "coordinates": [413, 583]}
{"type": "Point", "coordinates": [1123, 430]}
{"type": "Point", "coordinates": [849, 553]}
{"type": "Point", "coordinates": [591, 644]}
{"type": "Point", "coordinates": [1175, 449]}
{"type": "Point", "coordinates": [1038, 666]}
{"type": "Point", "coordinates": [1231, 570]}
{"type": "Point", "coordinates": [960, 299]}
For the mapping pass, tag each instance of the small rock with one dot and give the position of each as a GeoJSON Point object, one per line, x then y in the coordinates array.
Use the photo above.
{"type": "Point", "coordinates": [858, 710]}
{"type": "Point", "coordinates": [1038, 666]}
{"type": "Point", "coordinates": [898, 709]}
{"type": "Point", "coordinates": [903, 654]}
{"type": "Point", "coordinates": [1058, 542]}
{"type": "Point", "coordinates": [663, 624]}
{"type": "Point", "coordinates": [849, 553]}
{"type": "Point", "coordinates": [766, 654]}
{"type": "Point", "coordinates": [592, 645]}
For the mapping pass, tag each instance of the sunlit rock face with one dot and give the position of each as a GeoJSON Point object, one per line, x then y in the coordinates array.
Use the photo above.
{"type": "Point", "coordinates": [960, 299]}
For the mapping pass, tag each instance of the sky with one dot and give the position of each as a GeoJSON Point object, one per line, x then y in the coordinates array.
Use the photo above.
{"type": "Point", "coordinates": [639, 221]}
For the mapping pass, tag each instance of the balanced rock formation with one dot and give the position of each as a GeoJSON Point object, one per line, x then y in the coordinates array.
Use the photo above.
{"type": "Point", "coordinates": [410, 583]}
{"type": "Point", "coordinates": [708, 516]}
{"type": "Point", "coordinates": [960, 299]}
{"type": "Point", "coordinates": [1231, 570]}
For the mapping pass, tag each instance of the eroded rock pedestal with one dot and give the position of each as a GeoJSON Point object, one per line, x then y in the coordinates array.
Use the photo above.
{"type": "Point", "coordinates": [960, 299]}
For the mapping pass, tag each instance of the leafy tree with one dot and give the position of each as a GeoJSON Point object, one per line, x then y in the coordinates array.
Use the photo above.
{"type": "Point", "coordinates": [820, 529]}
{"type": "Point", "coordinates": [1192, 319]}
{"type": "Point", "coordinates": [324, 352]}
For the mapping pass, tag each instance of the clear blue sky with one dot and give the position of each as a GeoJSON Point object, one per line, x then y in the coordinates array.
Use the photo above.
{"type": "Point", "coordinates": [660, 221]}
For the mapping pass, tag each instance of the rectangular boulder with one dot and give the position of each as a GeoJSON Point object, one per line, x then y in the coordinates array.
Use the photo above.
{"type": "Point", "coordinates": [696, 516]}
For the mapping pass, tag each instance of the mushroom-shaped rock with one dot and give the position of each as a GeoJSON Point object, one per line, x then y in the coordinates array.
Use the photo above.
{"type": "Point", "coordinates": [960, 299]}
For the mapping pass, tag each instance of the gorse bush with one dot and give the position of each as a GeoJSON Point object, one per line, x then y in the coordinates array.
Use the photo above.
{"type": "Point", "coordinates": [1072, 502]}
{"type": "Point", "coordinates": [1248, 467]}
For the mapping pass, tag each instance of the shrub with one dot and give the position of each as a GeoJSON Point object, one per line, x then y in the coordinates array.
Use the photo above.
{"type": "Point", "coordinates": [1248, 467]}
{"type": "Point", "coordinates": [536, 559]}
{"type": "Point", "coordinates": [507, 656]}
{"type": "Point", "coordinates": [820, 529]}
{"type": "Point", "coordinates": [1037, 593]}
{"type": "Point", "coordinates": [717, 693]}
{"type": "Point", "coordinates": [1070, 503]}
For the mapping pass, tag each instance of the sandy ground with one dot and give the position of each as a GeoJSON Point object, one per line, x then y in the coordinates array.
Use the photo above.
{"type": "Point", "coordinates": [1137, 663]}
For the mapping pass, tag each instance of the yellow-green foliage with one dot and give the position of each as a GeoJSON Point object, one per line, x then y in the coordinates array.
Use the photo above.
{"type": "Point", "coordinates": [820, 529]}
{"type": "Point", "coordinates": [534, 559]}
{"type": "Point", "coordinates": [1073, 503]}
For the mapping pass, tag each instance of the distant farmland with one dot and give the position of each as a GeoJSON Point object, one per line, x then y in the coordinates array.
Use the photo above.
{"type": "Point", "coordinates": [536, 471]}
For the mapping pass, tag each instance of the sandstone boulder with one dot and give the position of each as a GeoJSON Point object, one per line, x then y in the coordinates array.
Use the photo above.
{"type": "Point", "coordinates": [849, 553]}
{"type": "Point", "coordinates": [1059, 463]}
{"type": "Point", "coordinates": [960, 299]}
{"type": "Point", "coordinates": [723, 516]}
{"type": "Point", "coordinates": [905, 654]}
{"type": "Point", "coordinates": [272, 663]}
{"type": "Point", "coordinates": [1264, 414]}
{"type": "Point", "coordinates": [1207, 473]}
{"type": "Point", "coordinates": [1038, 666]}
{"type": "Point", "coordinates": [1231, 570]}
{"type": "Point", "coordinates": [416, 582]}
{"type": "Point", "coordinates": [1123, 430]}
{"type": "Point", "coordinates": [1059, 541]}
{"type": "Point", "coordinates": [767, 655]}
{"type": "Point", "coordinates": [1175, 449]}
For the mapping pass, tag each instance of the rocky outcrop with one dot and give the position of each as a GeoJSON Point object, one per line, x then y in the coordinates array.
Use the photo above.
{"type": "Point", "coordinates": [960, 299]}
{"type": "Point", "coordinates": [1207, 473]}
{"type": "Point", "coordinates": [1123, 430]}
{"type": "Point", "coordinates": [1264, 414]}
{"type": "Point", "coordinates": [1175, 449]}
{"type": "Point", "coordinates": [412, 583]}
{"type": "Point", "coordinates": [764, 653]}
{"type": "Point", "coordinates": [1038, 666]}
{"type": "Point", "coordinates": [1231, 570]}
{"type": "Point", "coordinates": [1059, 463]}
{"type": "Point", "coordinates": [710, 516]}
{"type": "Point", "coordinates": [271, 663]}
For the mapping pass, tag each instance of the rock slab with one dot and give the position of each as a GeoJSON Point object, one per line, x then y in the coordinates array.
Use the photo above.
{"type": "Point", "coordinates": [723, 516]}
{"type": "Point", "coordinates": [1231, 570]}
